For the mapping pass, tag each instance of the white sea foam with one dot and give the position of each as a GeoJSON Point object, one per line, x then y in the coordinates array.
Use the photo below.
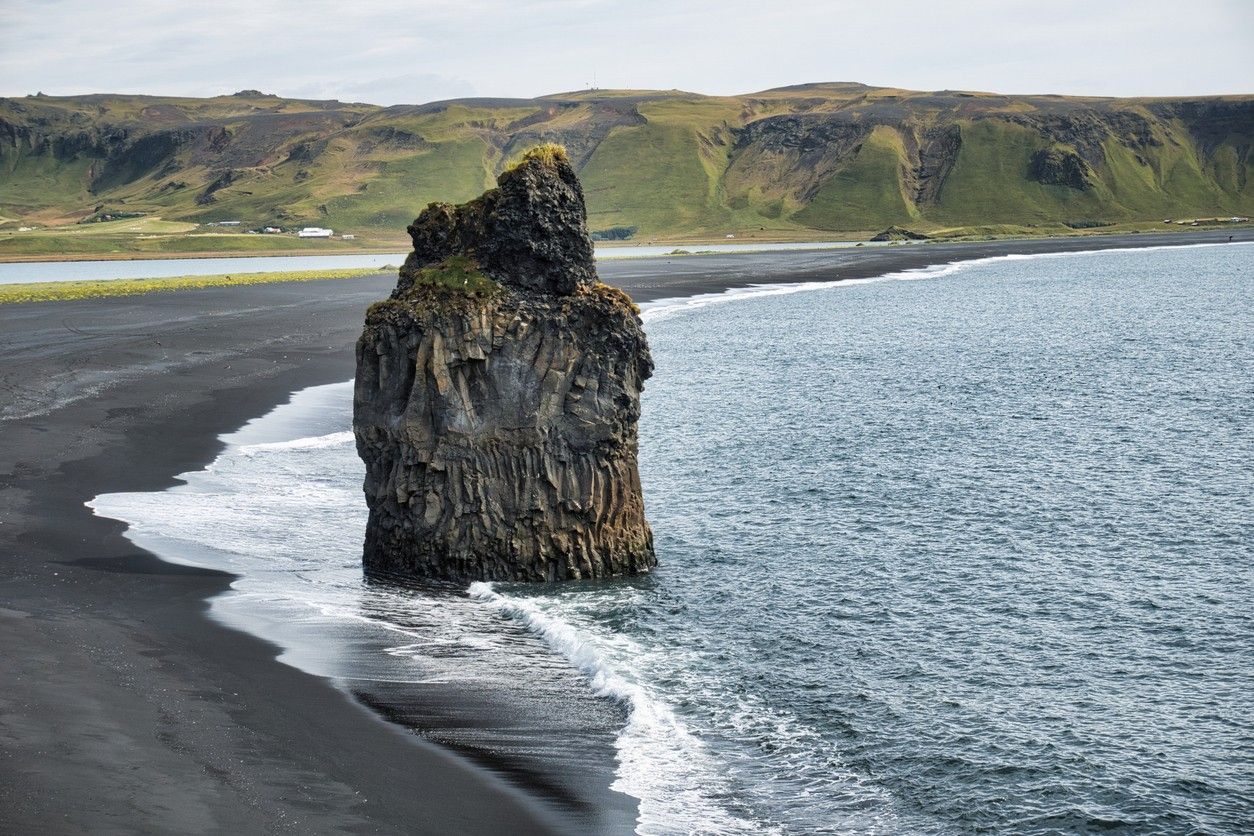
{"type": "Point", "coordinates": [661, 762]}
{"type": "Point", "coordinates": [663, 308]}
{"type": "Point", "coordinates": [314, 442]}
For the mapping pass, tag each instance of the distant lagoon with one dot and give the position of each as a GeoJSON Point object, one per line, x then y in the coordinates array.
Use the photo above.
{"type": "Point", "coordinates": [162, 268]}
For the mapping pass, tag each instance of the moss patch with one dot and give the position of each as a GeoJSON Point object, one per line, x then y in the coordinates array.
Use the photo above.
{"type": "Point", "coordinates": [454, 285]}
{"type": "Point", "coordinates": [616, 297]}
{"type": "Point", "coordinates": [459, 273]}
{"type": "Point", "coordinates": [548, 153]}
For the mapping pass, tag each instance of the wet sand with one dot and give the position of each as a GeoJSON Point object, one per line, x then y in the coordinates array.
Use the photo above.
{"type": "Point", "coordinates": [123, 706]}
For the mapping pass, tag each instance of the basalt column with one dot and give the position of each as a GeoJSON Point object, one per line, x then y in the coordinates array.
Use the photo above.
{"type": "Point", "coordinates": [497, 395]}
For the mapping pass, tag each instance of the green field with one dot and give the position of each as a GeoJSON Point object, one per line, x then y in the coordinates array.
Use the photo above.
{"type": "Point", "coordinates": [64, 291]}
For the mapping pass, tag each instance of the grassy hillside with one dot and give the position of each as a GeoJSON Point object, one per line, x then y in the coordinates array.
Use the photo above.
{"type": "Point", "coordinates": [810, 160]}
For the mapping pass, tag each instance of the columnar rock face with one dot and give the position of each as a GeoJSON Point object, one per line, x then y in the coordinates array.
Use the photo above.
{"type": "Point", "coordinates": [497, 395]}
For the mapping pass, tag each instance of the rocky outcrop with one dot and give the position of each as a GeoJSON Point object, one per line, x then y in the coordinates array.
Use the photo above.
{"type": "Point", "coordinates": [1060, 167]}
{"type": "Point", "coordinates": [529, 233]}
{"type": "Point", "coordinates": [899, 233]}
{"type": "Point", "coordinates": [497, 396]}
{"type": "Point", "coordinates": [932, 154]}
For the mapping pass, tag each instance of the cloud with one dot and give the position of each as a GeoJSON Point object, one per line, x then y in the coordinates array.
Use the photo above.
{"type": "Point", "coordinates": [410, 88]}
{"type": "Point", "coordinates": [414, 50]}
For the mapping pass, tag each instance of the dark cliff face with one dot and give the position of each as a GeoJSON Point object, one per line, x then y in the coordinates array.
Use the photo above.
{"type": "Point", "coordinates": [1060, 167]}
{"type": "Point", "coordinates": [497, 396]}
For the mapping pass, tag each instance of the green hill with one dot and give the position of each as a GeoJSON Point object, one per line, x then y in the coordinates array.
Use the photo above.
{"type": "Point", "coordinates": [800, 161]}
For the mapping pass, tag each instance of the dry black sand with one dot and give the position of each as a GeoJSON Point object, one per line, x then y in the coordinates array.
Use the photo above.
{"type": "Point", "coordinates": [123, 707]}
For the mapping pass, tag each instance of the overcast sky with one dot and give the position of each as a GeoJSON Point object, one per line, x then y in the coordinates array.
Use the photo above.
{"type": "Point", "coordinates": [414, 51]}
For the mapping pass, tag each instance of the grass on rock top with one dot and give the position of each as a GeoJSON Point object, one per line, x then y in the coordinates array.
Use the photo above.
{"type": "Point", "coordinates": [548, 153]}
{"type": "Point", "coordinates": [460, 273]}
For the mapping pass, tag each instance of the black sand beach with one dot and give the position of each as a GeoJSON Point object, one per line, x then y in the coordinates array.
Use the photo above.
{"type": "Point", "coordinates": [124, 707]}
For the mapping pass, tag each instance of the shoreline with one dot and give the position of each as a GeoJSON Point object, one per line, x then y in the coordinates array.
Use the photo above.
{"type": "Point", "coordinates": [127, 703]}
{"type": "Point", "coordinates": [348, 654]}
{"type": "Point", "coordinates": [401, 246]}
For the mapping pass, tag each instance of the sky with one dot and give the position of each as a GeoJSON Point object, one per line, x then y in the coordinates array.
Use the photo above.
{"type": "Point", "coordinates": [414, 51]}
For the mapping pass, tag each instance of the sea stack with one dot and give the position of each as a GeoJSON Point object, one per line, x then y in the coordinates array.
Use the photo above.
{"type": "Point", "coordinates": [497, 395]}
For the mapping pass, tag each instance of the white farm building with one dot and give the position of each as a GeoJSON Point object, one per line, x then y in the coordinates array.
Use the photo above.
{"type": "Point", "coordinates": [314, 232]}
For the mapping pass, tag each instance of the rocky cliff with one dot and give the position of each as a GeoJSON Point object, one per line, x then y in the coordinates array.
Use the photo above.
{"type": "Point", "coordinates": [497, 395]}
{"type": "Point", "coordinates": [654, 163]}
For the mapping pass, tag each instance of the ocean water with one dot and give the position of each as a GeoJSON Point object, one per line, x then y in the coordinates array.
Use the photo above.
{"type": "Point", "coordinates": [962, 549]}
{"type": "Point", "coordinates": [160, 268]}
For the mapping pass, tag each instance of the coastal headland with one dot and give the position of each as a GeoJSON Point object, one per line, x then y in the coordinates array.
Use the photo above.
{"type": "Point", "coordinates": [124, 705]}
{"type": "Point", "coordinates": [119, 174]}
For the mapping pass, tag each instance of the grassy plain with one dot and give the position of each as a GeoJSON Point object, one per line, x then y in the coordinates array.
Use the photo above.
{"type": "Point", "coordinates": [63, 291]}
